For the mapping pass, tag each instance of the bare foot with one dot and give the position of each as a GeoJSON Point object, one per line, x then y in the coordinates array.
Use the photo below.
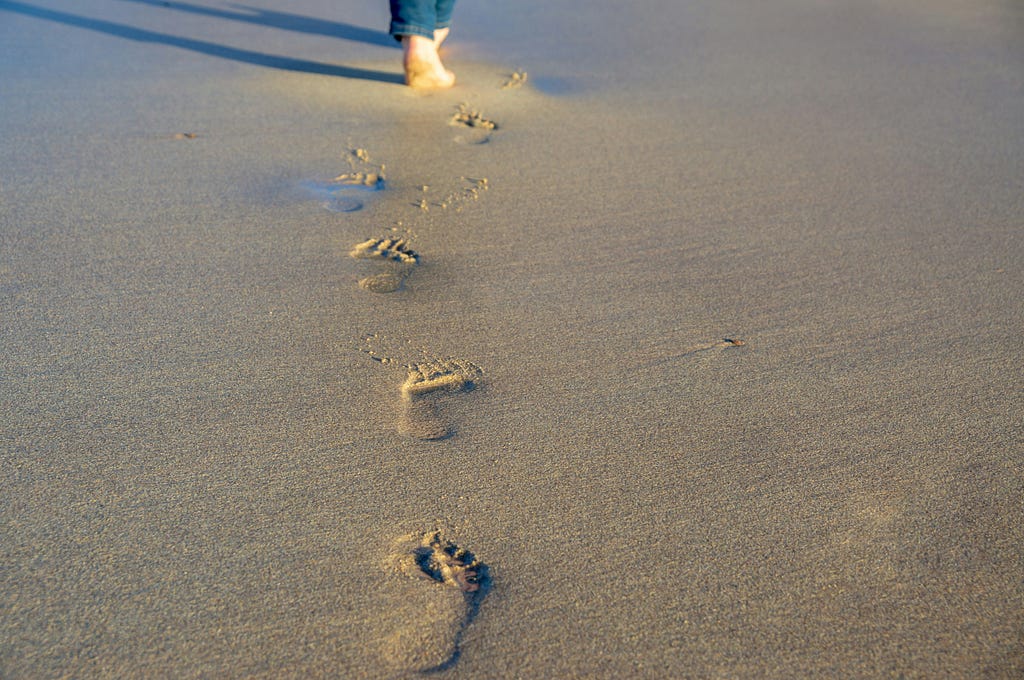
{"type": "Point", "coordinates": [423, 68]}
{"type": "Point", "coordinates": [439, 36]}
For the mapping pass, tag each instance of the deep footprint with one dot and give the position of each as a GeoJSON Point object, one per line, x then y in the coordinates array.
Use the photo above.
{"type": "Point", "coordinates": [424, 385]}
{"type": "Point", "coordinates": [398, 260]}
{"type": "Point", "coordinates": [456, 584]}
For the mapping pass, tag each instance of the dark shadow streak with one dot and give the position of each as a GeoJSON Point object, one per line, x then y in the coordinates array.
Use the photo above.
{"type": "Point", "coordinates": [284, 21]}
{"type": "Point", "coordinates": [211, 49]}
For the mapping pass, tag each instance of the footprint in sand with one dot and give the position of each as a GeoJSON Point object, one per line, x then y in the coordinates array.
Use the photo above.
{"type": "Point", "coordinates": [450, 584]}
{"type": "Point", "coordinates": [345, 193]}
{"type": "Point", "coordinates": [478, 128]}
{"type": "Point", "coordinates": [471, 190]}
{"type": "Point", "coordinates": [515, 80]}
{"type": "Point", "coordinates": [425, 385]}
{"type": "Point", "coordinates": [396, 257]}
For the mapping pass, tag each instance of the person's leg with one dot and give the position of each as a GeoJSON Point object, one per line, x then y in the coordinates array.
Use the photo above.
{"type": "Point", "coordinates": [413, 17]}
{"type": "Point", "coordinates": [443, 19]}
{"type": "Point", "coordinates": [413, 22]}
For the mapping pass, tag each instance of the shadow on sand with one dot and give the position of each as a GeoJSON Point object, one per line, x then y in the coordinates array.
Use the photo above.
{"type": "Point", "coordinates": [213, 49]}
{"type": "Point", "coordinates": [281, 20]}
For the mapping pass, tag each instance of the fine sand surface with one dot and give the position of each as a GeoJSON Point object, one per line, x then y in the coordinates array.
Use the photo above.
{"type": "Point", "coordinates": [695, 351]}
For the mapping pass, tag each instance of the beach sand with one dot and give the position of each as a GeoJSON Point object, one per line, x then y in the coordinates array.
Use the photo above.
{"type": "Point", "coordinates": [695, 351]}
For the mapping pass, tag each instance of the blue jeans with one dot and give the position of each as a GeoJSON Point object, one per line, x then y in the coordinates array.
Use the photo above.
{"type": "Point", "coordinates": [420, 17]}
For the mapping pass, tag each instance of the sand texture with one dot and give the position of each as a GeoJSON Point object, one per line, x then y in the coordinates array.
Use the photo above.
{"type": "Point", "coordinates": [677, 341]}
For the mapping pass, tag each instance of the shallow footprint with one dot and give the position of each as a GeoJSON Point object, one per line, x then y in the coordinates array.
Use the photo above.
{"type": "Point", "coordinates": [515, 80]}
{"type": "Point", "coordinates": [398, 260]}
{"type": "Point", "coordinates": [479, 129]}
{"type": "Point", "coordinates": [424, 387]}
{"type": "Point", "coordinates": [344, 193]}
{"type": "Point", "coordinates": [452, 584]}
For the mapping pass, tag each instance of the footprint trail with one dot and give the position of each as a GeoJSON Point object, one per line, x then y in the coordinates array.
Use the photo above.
{"type": "Point", "coordinates": [446, 583]}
